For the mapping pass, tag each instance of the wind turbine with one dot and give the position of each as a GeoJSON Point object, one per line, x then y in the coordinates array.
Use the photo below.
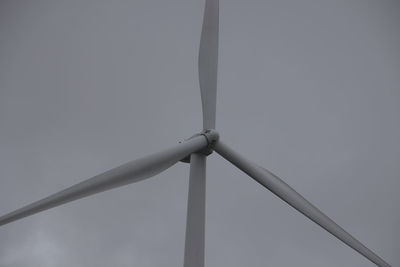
{"type": "Point", "coordinates": [195, 150]}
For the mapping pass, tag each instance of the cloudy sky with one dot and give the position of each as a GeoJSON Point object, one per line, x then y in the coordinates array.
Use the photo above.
{"type": "Point", "coordinates": [308, 89]}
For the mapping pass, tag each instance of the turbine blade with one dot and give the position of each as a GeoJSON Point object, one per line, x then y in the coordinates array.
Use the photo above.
{"type": "Point", "coordinates": [208, 62]}
{"type": "Point", "coordinates": [127, 173]}
{"type": "Point", "coordinates": [294, 199]}
{"type": "Point", "coordinates": [195, 222]}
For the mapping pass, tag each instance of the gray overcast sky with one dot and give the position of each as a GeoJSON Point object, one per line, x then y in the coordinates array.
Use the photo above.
{"type": "Point", "coordinates": [309, 89]}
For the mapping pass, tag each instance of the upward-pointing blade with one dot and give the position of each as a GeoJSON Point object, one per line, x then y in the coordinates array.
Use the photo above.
{"type": "Point", "coordinates": [208, 62]}
{"type": "Point", "coordinates": [130, 172]}
{"type": "Point", "coordinates": [294, 199]}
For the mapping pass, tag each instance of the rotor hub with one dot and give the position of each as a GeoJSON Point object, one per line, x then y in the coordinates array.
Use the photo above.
{"type": "Point", "coordinates": [212, 137]}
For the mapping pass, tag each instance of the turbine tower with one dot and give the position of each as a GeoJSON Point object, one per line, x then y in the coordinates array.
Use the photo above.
{"type": "Point", "coordinates": [195, 150]}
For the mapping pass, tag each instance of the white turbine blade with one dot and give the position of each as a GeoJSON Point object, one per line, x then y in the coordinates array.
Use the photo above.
{"type": "Point", "coordinates": [288, 194]}
{"type": "Point", "coordinates": [208, 62]}
{"type": "Point", "coordinates": [195, 223]}
{"type": "Point", "coordinates": [130, 172]}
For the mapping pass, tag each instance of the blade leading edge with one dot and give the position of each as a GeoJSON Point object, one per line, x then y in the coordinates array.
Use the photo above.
{"type": "Point", "coordinates": [208, 62]}
{"type": "Point", "coordinates": [294, 199]}
{"type": "Point", "coordinates": [195, 222]}
{"type": "Point", "coordinates": [130, 172]}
